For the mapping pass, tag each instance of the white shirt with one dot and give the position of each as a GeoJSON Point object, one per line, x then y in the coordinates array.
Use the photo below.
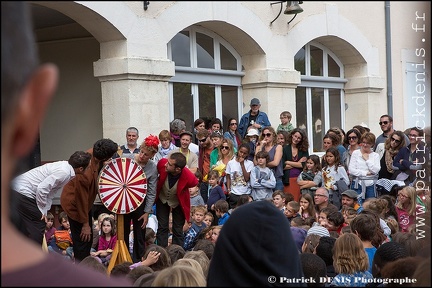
{"type": "Point", "coordinates": [43, 182]}
{"type": "Point", "coordinates": [152, 222]}
{"type": "Point", "coordinates": [359, 167]}
{"type": "Point", "coordinates": [194, 148]}
{"type": "Point", "coordinates": [239, 186]}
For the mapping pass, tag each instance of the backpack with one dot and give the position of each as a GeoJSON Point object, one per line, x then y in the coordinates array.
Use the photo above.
{"type": "Point", "coordinates": [63, 239]}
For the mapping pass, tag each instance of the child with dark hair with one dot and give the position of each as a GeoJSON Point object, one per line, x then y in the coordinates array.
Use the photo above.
{"type": "Point", "coordinates": [307, 208]}
{"type": "Point", "coordinates": [120, 270]}
{"type": "Point", "coordinates": [299, 222]}
{"type": "Point", "coordinates": [324, 250]}
{"type": "Point", "coordinates": [49, 228]}
{"type": "Point", "coordinates": [206, 246]}
{"type": "Point", "coordinates": [150, 236]}
{"type": "Point", "coordinates": [175, 252]}
{"type": "Point", "coordinates": [311, 176]}
{"type": "Point", "coordinates": [332, 172]}
{"type": "Point", "coordinates": [335, 222]}
{"type": "Point", "coordinates": [278, 197]}
{"type": "Point", "coordinates": [387, 252]}
{"type": "Point", "coordinates": [262, 179]}
{"type": "Point", "coordinates": [409, 241]}
{"type": "Point", "coordinates": [209, 219]}
{"type": "Point", "coordinates": [62, 245]}
{"type": "Point", "coordinates": [107, 241]}
{"type": "Point", "coordinates": [221, 208]}
{"type": "Point", "coordinates": [238, 172]}
{"type": "Point", "coordinates": [137, 272]}
{"type": "Point", "coordinates": [215, 191]}
{"type": "Point", "coordinates": [401, 269]}
{"type": "Point", "coordinates": [313, 268]}
{"type": "Point", "coordinates": [291, 210]}
{"type": "Point", "coordinates": [365, 227]}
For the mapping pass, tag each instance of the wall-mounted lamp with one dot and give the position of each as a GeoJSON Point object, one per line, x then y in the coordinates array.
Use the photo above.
{"type": "Point", "coordinates": [146, 3]}
{"type": "Point", "coordinates": [293, 7]}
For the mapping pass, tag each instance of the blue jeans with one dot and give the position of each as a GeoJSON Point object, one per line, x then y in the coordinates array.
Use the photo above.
{"type": "Point", "coordinates": [279, 184]}
{"type": "Point", "coordinates": [370, 192]}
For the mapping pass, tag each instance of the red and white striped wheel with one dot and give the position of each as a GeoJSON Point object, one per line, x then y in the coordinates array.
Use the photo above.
{"type": "Point", "coordinates": [122, 185]}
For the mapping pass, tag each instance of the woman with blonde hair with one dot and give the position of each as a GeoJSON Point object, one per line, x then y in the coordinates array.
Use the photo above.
{"type": "Point", "coordinates": [268, 142]}
{"type": "Point", "coordinates": [179, 276]}
{"type": "Point", "coordinates": [190, 263]}
{"type": "Point", "coordinates": [406, 207]}
{"type": "Point", "coordinates": [350, 262]}
{"type": "Point", "coordinates": [226, 153]}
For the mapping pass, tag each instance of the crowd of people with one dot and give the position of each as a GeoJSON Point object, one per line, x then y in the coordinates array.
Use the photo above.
{"type": "Point", "coordinates": [245, 206]}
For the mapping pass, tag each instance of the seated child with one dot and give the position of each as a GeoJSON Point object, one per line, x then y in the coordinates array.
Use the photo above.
{"type": "Point", "coordinates": [49, 228]}
{"type": "Point", "coordinates": [208, 219]}
{"type": "Point", "coordinates": [221, 208]}
{"type": "Point", "coordinates": [278, 197]}
{"type": "Point", "coordinates": [291, 210]}
{"type": "Point", "coordinates": [57, 245]}
{"type": "Point", "coordinates": [335, 222]}
{"type": "Point", "coordinates": [198, 224]}
{"type": "Point", "coordinates": [107, 241]}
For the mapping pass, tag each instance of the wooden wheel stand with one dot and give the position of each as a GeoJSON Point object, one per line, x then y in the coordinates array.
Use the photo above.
{"type": "Point", "coordinates": [122, 189]}
{"type": "Point", "coordinates": [121, 252]}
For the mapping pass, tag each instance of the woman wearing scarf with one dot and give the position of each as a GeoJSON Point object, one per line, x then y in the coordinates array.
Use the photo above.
{"type": "Point", "coordinates": [388, 151]}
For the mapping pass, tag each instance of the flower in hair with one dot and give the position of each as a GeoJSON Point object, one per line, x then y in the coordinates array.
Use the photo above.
{"type": "Point", "coordinates": [152, 141]}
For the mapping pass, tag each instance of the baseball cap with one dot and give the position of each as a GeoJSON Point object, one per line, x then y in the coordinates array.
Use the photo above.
{"type": "Point", "coordinates": [350, 193]}
{"type": "Point", "coordinates": [255, 101]}
{"type": "Point", "coordinates": [252, 132]}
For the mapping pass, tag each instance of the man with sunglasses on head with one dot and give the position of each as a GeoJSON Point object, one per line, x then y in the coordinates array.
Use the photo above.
{"type": "Point", "coordinates": [386, 125]}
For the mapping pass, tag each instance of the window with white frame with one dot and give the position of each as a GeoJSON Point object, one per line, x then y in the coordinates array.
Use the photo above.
{"type": "Point", "coordinates": [320, 102]}
{"type": "Point", "coordinates": [207, 81]}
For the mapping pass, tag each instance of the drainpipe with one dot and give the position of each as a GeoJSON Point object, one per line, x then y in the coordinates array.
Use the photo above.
{"type": "Point", "coordinates": [388, 59]}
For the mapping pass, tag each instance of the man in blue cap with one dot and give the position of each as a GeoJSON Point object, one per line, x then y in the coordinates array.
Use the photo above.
{"type": "Point", "coordinates": [253, 119]}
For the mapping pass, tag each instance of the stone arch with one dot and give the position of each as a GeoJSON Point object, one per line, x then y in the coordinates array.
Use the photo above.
{"type": "Point", "coordinates": [341, 37]}
{"type": "Point", "coordinates": [101, 27]}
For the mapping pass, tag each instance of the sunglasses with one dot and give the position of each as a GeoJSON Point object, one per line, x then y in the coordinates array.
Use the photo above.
{"type": "Point", "coordinates": [267, 134]}
{"type": "Point", "coordinates": [232, 124]}
{"type": "Point", "coordinates": [352, 138]}
{"type": "Point", "coordinates": [225, 147]}
{"type": "Point", "coordinates": [202, 140]}
{"type": "Point", "coordinates": [383, 123]}
{"type": "Point", "coordinates": [395, 140]}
